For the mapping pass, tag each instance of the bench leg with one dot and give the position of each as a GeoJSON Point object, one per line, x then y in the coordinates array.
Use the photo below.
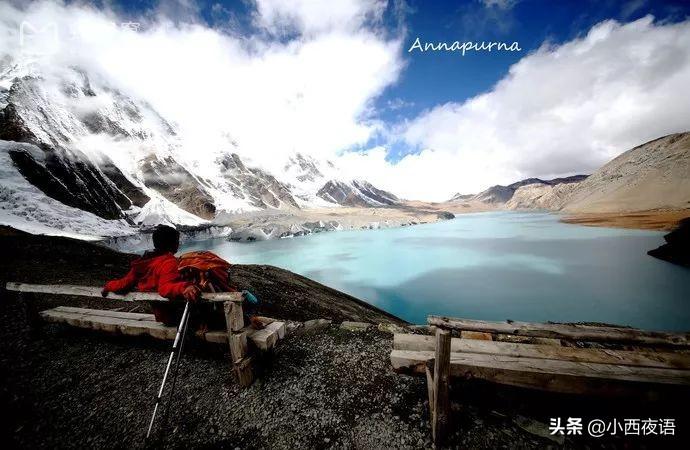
{"type": "Point", "coordinates": [440, 409]}
{"type": "Point", "coordinates": [237, 339]}
{"type": "Point", "coordinates": [33, 319]}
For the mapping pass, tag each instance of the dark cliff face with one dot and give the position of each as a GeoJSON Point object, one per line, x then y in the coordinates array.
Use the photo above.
{"type": "Point", "coordinates": [259, 187]}
{"type": "Point", "coordinates": [176, 184]}
{"type": "Point", "coordinates": [74, 183]}
{"type": "Point", "coordinates": [676, 250]}
{"type": "Point", "coordinates": [60, 172]}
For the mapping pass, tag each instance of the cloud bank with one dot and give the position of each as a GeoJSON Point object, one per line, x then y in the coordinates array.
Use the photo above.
{"type": "Point", "coordinates": [561, 110]}
{"type": "Point", "coordinates": [307, 76]}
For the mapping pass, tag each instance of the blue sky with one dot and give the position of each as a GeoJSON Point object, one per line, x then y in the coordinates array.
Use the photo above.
{"type": "Point", "coordinates": [439, 77]}
{"type": "Point", "coordinates": [436, 78]}
{"type": "Point", "coordinates": [334, 80]}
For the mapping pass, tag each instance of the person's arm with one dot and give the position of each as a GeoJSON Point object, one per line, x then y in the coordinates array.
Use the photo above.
{"type": "Point", "coordinates": [171, 286]}
{"type": "Point", "coordinates": [121, 285]}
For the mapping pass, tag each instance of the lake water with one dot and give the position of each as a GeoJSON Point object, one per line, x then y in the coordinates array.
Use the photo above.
{"type": "Point", "coordinates": [490, 266]}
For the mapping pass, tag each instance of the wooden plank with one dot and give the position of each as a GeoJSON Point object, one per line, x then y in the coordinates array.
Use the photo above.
{"type": "Point", "coordinates": [95, 291]}
{"type": "Point", "coordinates": [267, 337]}
{"type": "Point", "coordinates": [262, 339]}
{"type": "Point", "coordinates": [107, 313]}
{"type": "Point", "coordinates": [622, 357]}
{"type": "Point", "coordinates": [441, 411]}
{"type": "Point", "coordinates": [111, 324]}
{"type": "Point", "coordinates": [238, 345]}
{"type": "Point", "coordinates": [563, 331]}
{"type": "Point", "coordinates": [544, 374]}
{"type": "Point", "coordinates": [234, 319]}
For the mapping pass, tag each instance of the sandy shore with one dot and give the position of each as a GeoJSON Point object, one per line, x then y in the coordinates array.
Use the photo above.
{"type": "Point", "coordinates": [646, 220]}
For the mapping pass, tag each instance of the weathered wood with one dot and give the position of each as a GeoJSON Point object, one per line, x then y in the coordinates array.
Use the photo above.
{"type": "Point", "coordinates": [441, 406]}
{"type": "Point", "coordinates": [94, 291]}
{"type": "Point", "coordinates": [544, 374]}
{"type": "Point", "coordinates": [244, 371]}
{"type": "Point", "coordinates": [430, 389]}
{"type": "Point", "coordinates": [476, 335]}
{"type": "Point", "coordinates": [605, 356]}
{"type": "Point", "coordinates": [107, 313]}
{"type": "Point", "coordinates": [263, 339]}
{"type": "Point", "coordinates": [267, 337]}
{"type": "Point", "coordinates": [563, 331]}
{"type": "Point", "coordinates": [238, 345]}
{"type": "Point", "coordinates": [234, 319]}
{"type": "Point", "coordinates": [110, 324]}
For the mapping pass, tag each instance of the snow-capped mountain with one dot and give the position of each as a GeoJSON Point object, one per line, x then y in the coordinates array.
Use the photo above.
{"type": "Point", "coordinates": [95, 149]}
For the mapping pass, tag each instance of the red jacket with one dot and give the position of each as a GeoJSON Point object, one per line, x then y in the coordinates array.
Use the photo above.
{"type": "Point", "coordinates": [151, 273]}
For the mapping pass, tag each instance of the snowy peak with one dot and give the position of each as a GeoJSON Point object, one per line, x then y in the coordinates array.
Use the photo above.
{"type": "Point", "coordinates": [96, 149]}
{"type": "Point", "coordinates": [355, 193]}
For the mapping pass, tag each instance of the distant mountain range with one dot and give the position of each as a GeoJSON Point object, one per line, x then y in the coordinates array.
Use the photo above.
{"type": "Point", "coordinates": [501, 194]}
{"type": "Point", "coordinates": [651, 176]}
{"type": "Point", "coordinates": [72, 137]}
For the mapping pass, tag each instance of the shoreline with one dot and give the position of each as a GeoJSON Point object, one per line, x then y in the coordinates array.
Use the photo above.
{"type": "Point", "coordinates": [663, 220]}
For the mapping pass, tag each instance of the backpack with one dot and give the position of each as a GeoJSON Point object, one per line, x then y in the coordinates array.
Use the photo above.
{"type": "Point", "coordinates": [207, 270]}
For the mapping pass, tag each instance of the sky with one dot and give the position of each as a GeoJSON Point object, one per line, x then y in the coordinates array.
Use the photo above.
{"type": "Point", "coordinates": [337, 80]}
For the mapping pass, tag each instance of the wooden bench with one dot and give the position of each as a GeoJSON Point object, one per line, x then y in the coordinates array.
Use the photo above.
{"type": "Point", "coordinates": [138, 324]}
{"type": "Point", "coordinates": [554, 368]}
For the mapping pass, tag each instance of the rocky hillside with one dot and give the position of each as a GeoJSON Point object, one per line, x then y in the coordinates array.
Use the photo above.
{"type": "Point", "coordinates": [99, 151]}
{"type": "Point", "coordinates": [499, 195]}
{"type": "Point", "coordinates": [655, 175]}
{"type": "Point", "coordinates": [652, 176]}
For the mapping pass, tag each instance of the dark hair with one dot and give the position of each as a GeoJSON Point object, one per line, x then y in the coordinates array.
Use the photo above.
{"type": "Point", "coordinates": [166, 238]}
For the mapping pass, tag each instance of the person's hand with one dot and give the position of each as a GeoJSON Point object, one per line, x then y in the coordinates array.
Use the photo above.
{"type": "Point", "coordinates": [191, 293]}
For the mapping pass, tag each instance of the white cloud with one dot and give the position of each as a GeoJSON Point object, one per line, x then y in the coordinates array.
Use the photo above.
{"type": "Point", "coordinates": [560, 110]}
{"type": "Point", "coordinates": [310, 93]}
{"type": "Point", "coordinates": [315, 16]}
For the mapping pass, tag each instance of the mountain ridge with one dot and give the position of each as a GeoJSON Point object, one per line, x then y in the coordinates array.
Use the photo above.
{"type": "Point", "coordinates": [95, 149]}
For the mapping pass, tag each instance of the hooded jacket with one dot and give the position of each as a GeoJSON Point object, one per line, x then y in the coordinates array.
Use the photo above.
{"type": "Point", "coordinates": [153, 272]}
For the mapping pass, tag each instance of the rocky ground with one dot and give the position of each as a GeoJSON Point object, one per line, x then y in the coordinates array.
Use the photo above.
{"type": "Point", "coordinates": [325, 387]}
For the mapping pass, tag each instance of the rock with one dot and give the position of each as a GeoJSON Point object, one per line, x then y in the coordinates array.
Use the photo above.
{"type": "Point", "coordinates": [445, 215]}
{"type": "Point", "coordinates": [391, 328]}
{"type": "Point", "coordinates": [677, 247]}
{"type": "Point", "coordinates": [537, 429]}
{"type": "Point", "coordinates": [316, 324]}
{"type": "Point", "coordinates": [355, 326]}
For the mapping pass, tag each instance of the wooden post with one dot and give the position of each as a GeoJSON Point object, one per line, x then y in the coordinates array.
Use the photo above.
{"type": "Point", "coordinates": [237, 339]}
{"type": "Point", "coordinates": [430, 387]}
{"type": "Point", "coordinates": [233, 316]}
{"type": "Point", "coordinates": [238, 345]}
{"type": "Point", "coordinates": [33, 320]}
{"type": "Point", "coordinates": [244, 371]}
{"type": "Point", "coordinates": [441, 406]}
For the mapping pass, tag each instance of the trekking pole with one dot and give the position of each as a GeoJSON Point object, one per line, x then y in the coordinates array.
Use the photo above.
{"type": "Point", "coordinates": [180, 330]}
{"type": "Point", "coordinates": [177, 368]}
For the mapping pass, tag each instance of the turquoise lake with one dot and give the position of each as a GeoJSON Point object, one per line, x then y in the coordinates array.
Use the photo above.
{"type": "Point", "coordinates": [489, 266]}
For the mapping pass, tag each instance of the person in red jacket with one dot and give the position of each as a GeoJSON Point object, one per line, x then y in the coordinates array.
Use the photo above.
{"type": "Point", "coordinates": [156, 271]}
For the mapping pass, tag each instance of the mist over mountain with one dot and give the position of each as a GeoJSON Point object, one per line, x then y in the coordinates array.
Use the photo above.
{"type": "Point", "coordinates": [97, 149]}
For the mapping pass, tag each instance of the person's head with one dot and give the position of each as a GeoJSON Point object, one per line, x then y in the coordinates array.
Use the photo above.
{"type": "Point", "coordinates": [166, 239]}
